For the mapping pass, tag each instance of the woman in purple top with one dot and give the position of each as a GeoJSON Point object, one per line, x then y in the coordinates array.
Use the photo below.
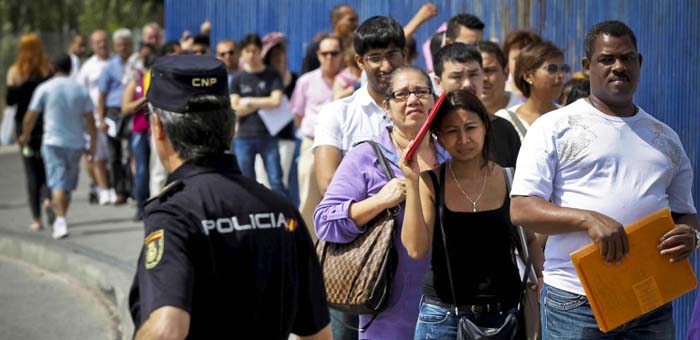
{"type": "Point", "coordinates": [359, 192]}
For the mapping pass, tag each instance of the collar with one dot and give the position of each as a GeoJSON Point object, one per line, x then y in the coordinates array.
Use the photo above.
{"type": "Point", "coordinates": [225, 163]}
{"type": "Point", "coordinates": [365, 100]}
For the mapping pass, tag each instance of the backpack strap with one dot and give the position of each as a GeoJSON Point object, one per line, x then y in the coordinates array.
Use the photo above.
{"type": "Point", "coordinates": [518, 124]}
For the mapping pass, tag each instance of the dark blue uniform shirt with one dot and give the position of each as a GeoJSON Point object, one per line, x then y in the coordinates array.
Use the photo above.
{"type": "Point", "coordinates": [233, 254]}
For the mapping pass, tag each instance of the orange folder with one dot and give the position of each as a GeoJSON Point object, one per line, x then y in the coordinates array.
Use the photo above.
{"type": "Point", "coordinates": [642, 282]}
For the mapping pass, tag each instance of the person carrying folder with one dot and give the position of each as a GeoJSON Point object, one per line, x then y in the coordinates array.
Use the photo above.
{"type": "Point", "coordinates": [594, 166]}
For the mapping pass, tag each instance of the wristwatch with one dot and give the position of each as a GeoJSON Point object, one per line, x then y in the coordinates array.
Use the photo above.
{"type": "Point", "coordinates": [696, 235]}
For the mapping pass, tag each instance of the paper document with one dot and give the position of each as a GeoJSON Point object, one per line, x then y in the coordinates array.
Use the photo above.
{"type": "Point", "coordinates": [642, 282]}
{"type": "Point", "coordinates": [111, 127]}
{"type": "Point", "coordinates": [276, 119]}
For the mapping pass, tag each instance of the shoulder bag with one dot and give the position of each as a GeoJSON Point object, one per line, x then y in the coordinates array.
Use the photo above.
{"type": "Point", "coordinates": [466, 329]}
{"type": "Point", "coordinates": [530, 302]}
{"type": "Point", "coordinates": [358, 275]}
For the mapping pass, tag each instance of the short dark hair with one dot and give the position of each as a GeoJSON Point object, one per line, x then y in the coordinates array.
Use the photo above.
{"type": "Point", "coordinates": [251, 39]}
{"type": "Point", "coordinates": [575, 89]}
{"type": "Point", "coordinates": [519, 39]}
{"type": "Point", "coordinates": [61, 63]}
{"type": "Point", "coordinates": [201, 39]}
{"type": "Point", "coordinates": [203, 131]}
{"type": "Point", "coordinates": [337, 12]}
{"type": "Point", "coordinates": [530, 59]}
{"type": "Point", "coordinates": [169, 47]}
{"type": "Point", "coordinates": [466, 20]}
{"type": "Point", "coordinates": [456, 52]}
{"type": "Point", "coordinates": [436, 43]}
{"type": "Point", "coordinates": [378, 32]}
{"type": "Point", "coordinates": [468, 101]}
{"type": "Point", "coordinates": [492, 48]}
{"type": "Point", "coordinates": [613, 28]}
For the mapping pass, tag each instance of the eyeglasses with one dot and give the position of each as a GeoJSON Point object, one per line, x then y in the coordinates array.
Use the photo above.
{"type": "Point", "coordinates": [554, 68]}
{"type": "Point", "coordinates": [394, 57]}
{"type": "Point", "coordinates": [329, 53]}
{"type": "Point", "coordinates": [199, 52]}
{"type": "Point", "coordinates": [420, 92]}
{"type": "Point", "coordinates": [229, 52]}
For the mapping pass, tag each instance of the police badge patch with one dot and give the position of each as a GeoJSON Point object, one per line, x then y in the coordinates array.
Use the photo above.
{"type": "Point", "coordinates": [154, 244]}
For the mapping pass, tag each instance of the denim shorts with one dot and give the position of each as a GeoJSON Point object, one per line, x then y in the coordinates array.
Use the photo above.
{"type": "Point", "coordinates": [436, 322]}
{"type": "Point", "coordinates": [567, 315]}
{"type": "Point", "coordinates": [62, 167]}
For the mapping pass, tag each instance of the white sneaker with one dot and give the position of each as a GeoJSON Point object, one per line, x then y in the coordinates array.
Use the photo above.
{"type": "Point", "coordinates": [112, 196]}
{"type": "Point", "coordinates": [104, 197]}
{"type": "Point", "coordinates": [60, 228]}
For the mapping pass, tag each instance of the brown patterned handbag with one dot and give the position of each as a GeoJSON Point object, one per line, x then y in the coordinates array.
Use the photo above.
{"type": "Point", "coordinates": [358, 275]}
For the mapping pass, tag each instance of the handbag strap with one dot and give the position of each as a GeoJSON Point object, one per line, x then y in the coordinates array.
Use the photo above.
{"type": "Point", "coordinates": [382, 160]}
{"type": "Point", "coordinates": [441, 212]}
{"type": "Point", "coordinates": [520, 231]}
{"type": "Point", "coordinates": [518, 124]}
{"type": "Point", "coordinates": [441, 207]}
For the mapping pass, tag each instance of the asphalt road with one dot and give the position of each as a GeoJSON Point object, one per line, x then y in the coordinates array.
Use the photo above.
{"type": "Point", "coordinates": [37, 304]}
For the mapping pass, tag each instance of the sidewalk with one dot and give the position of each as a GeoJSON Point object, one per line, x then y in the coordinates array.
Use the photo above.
{"type": "Point", "coordinates": [100, 252]}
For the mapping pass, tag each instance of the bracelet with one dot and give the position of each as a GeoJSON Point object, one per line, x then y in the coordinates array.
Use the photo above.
{"type": "Point", "coordinates": [696, 237]}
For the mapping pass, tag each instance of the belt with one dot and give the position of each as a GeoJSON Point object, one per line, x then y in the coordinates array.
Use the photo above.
{"type": "Point", "coordinates": [482, 308]}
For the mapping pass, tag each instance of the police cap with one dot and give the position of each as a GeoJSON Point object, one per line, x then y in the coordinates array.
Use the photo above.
{"type": "Point", "coordinates": [175, 79]}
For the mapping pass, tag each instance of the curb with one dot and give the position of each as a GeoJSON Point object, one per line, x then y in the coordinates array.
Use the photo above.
{"type": "Point", "coordinates": [105, 274]}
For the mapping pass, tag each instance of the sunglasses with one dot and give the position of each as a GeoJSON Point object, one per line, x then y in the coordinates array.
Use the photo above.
{"type": "Point", "coordinates": [230, 52]}
{"type": "Point", "coordinates": [329, 53]}
{"type": "Point", "coordinates": [554, 68]}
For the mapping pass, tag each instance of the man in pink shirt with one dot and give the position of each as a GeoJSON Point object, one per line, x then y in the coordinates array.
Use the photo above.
{"type": "Point", "coordinates": [313, 90]}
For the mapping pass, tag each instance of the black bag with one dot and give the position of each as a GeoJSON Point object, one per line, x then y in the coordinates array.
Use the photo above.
{"type": "Point", "coordinates": [466, 329]}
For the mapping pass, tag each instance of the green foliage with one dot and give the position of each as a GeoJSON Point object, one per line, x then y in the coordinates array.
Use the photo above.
{"type": "Point", "coordinates": [68, 16]}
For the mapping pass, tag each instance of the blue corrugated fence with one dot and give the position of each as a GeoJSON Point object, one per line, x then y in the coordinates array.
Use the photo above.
{"type": "Point", "coordinates": [668, 34]}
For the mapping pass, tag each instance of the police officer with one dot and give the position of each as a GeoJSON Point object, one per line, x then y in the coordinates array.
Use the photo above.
{"type": "Point", "coordinates": [223, 256]}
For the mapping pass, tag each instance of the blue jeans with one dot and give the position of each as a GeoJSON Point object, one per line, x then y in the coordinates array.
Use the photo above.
{"type": "Point", "coordinates": [293, 178]}
{"type": "Point", "coordinates": [141, 151]}
{"type": "Point", "coordinates": [567, 315]}
{"type": "Point", "coordinates": [436, 322]}
{"type": "Point", "coordinates": [339, 320]}
{"type": "Point", "coordinates": [268, 148]}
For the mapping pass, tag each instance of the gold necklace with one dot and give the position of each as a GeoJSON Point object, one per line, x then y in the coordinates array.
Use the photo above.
{"type": "Point", "coordinates": [483, 185]}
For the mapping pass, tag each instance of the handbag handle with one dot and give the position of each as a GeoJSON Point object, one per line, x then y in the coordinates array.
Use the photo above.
{"type": "Point", "coordinates": [382, 160]}
{"type": "Point", "coordinates": [385, 168]}
{"type": "Point", "coordinates": [441, 208]}
{"type": "Point", "coordinates": [522, 240]}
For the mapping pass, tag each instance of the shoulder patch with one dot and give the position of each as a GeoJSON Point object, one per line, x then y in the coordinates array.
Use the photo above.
{"type": "Point", "coordinates": [154, 246]}
{"type": "Point", "coordinates": [168, 188]}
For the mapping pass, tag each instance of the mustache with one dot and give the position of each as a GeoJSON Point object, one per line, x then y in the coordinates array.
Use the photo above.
{"type": "Point", "coordinates": [619, 76]}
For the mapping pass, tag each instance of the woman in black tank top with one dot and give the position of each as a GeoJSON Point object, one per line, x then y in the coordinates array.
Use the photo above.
{"type": "Point", "coordinates": [480, 278]}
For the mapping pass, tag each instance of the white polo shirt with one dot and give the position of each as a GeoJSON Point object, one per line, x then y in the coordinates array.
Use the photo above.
{"type": "Point", "coordinates": [622, 167]}
{"type": "Point", "coordinates": [345, 122]}
{"type": "Point", "coordinates": [89, 76]}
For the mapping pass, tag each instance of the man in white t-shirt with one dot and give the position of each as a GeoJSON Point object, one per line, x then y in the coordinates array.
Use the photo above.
{"type": "Point", "coordinates": [592, 167]}
{"type": "Point", "coordinates": [380, 45]}
{"type": "Point", "coordinates": [88, 76]}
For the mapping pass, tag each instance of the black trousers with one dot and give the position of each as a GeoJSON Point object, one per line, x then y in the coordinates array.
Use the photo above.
{"type": "Point", "coordinates": [118, 160]}
{"type": "Point", "coordinates": [36, 180]}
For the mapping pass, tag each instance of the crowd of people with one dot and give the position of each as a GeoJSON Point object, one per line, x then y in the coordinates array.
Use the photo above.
{"type": "Point", "coordinates": [588, 162]}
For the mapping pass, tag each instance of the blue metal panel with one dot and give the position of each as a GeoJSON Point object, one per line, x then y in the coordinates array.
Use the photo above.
{"type": "Point", "coordinates": [668, 34]}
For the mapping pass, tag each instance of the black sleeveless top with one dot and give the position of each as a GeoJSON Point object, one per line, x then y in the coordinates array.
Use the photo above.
{"type": "Point", "coordinates": [480, 247]}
